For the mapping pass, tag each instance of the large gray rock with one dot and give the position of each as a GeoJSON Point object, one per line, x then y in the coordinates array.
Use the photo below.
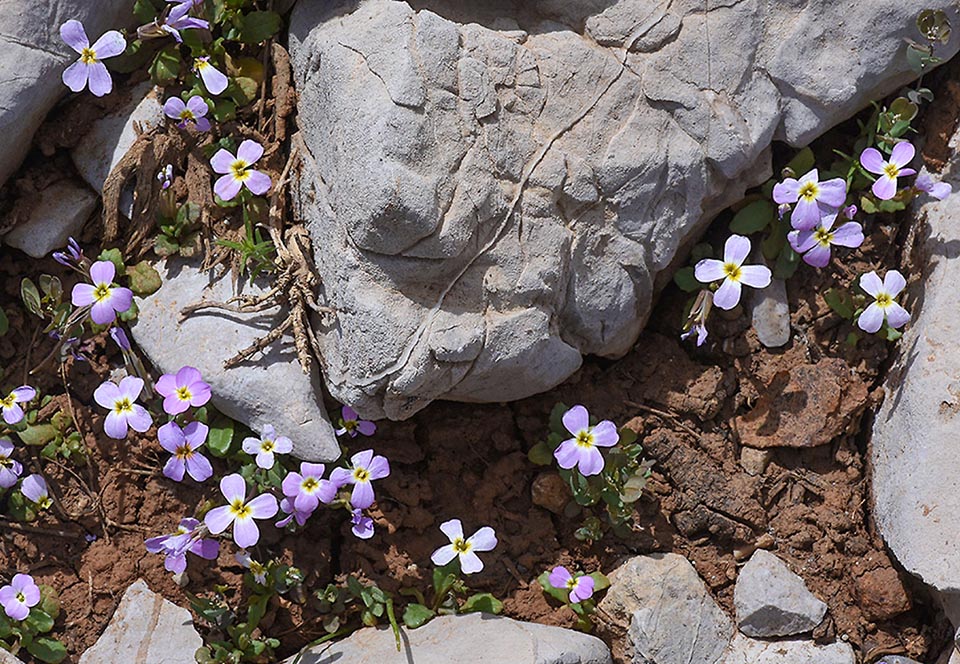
{"type": "Point", "coordinates": [672, 617]}
{"type": "Point", "coordinates": [916, 437]}
{"type": "Point", "coordinates": [770, 600]}
{"type": "Point", "coordinates": [748, 651]}
{"type": "Point", "coordinates": [60, 212]}
{"type": "Point", "coordinates": [269, 389]}
{"type": "Point", "coordinates": [32, 57]}
{"type": "Point", "coordinates": [469, 639]}
{"type": "Point", "coordinates": [146, 629]}
{"type": "Point", "coordinates": [494, 203]}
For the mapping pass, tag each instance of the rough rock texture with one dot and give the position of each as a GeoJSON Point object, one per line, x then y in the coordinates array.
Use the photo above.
{"type": "Point", "coordinates": [747, 651]}
{"type": "Point", "coordinates": [770, 600]}
{"type": "Point", "coordinates": [271, 389]}
{"type": "Point", "coordinates": [496, 187]}
{"type": "Point", "coordinates": [672, 618]}
{"type": "Point", "coordinates": [916, 437]}
{"type": "Point", "coordinates": [32, 57]}
{"type": "Point", "coordinates": [60, 212]}
{"type": "Point", "coordinates": [146, 629]}
{"type": "Point", "coordinates": [896, 659]}
{"type": "Point", "coordinates": [470, 639]}
{"type": "Point", "coordinates": [770, 313]}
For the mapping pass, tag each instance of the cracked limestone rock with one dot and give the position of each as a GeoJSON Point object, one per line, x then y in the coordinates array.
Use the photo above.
{"type": "Point", "coordinates": [770, 600]}
{"type": "Point", "coordinates": [748, 651]}
{"type": "Point", "coordinates": [496, 189]}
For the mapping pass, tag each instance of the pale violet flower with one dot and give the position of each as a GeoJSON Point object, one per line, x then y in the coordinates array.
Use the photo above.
{"type": "Point", "coordinates": [89, 69]}
{"type": "Point", "coordinates": [364, 469]}
{"type": "Point", "coordinates": [696, 323]}
{"type": "Point", "coordinates": [582, 450]}
{"type": "Point", "coordinates": [361, 524]}
{"type": "Point", "coordinates": [813, 198]}
{"type": "Point", "coordinates": [182, 390]}
{"type": "Point", "coordinates": [307, 489]}
{"type": "Point", "coordinates": [884, 305]}
{"type": "Point", "coordinates": [466, 549]}
{"type": "Point", "coordinates": [288, 508]}
{"type": "Point", "coordinates": [239, 512]}
{"type": "Point", "coordinates": [189, 537]}
{"type": "Point", "coordinates": [258, 570]}
{"type": "Point", "coordinates": [34, 488]}
{"type": "Point", "coordinates": [815, 244]}
{"type": "Point", "coordinates": [213, 79]}
{"type": "Point", "coordinates": [350, 423]}
{"type": "Point", "coordinates": [104, 299]}
{"type": "Point", "coordinates": [889, 170]}
{"type": "Point", "coordinates": [183, 444]}
{"type": "Point", "coordinates": [238, 172]}
{"type": "Point", "coordinates": [733, 272]}
{"type": "Point", "coordinates": [580, 587]}
{"type": "Point", "coordinates": [938, 190]}
{"type": "Point", "coordinates": [10, 469]}
{"type": "Point", "coordinates": [19, 597]}
{"type": "Point", "coordinates": [120, 400]}
{"type": "Point", "coordinates": [268, 444]}
{"type": "Point", "coordinates": [10, 404]}
{"type": "Point", "coordinates": [193, 111]}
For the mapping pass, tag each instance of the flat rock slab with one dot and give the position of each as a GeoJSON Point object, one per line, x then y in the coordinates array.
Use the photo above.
{"type": "Point", "coordinates": [146, 629]}
{"type": "Point", "coordinates": [770, 313]}
{"type": "Point", "coordinates": [748, 651]}
{"type": "Point", "coordinates": [469, 639]}
{"type": "Point", "coordinates": [59, 213]}
{"type": "Point", "coordinates": [807, 406]}
{"type": "Point", "coordinates": [770, 600]}
{"type": "Point", "coordinates": [270, 389]}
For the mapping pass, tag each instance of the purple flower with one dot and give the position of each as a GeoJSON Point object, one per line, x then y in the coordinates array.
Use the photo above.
{"type": "Point", "coordinates": [183, 444]}
{"type": "Point", "coordinates": [483, 540]}
{"type": "Point", "coordinates": [193, 111]}
{"type": "Point", "coordinates": [884, 305]}
{"type": "Point", "coordinates": [89, 69]}
{"type": "Point", "coordinates": [18, 597]}
{"type": "Point", "coordinates": [182, 390]}
{"type": "Point", "coordinates": [849, 212]}
{"type": "Point", "coordinates": [362, 524]}
{"type": "Point", "coordinates": [259, 570]}
{"type": "Point", "coordinates": [240, 513]}
{"type": "Point", "coordinates": [813, 198]}
{"type": "Point", "coordinates": [938, 190]}
{"type": "Point", "coordinates": [364, 468]}
{"type": "Point", "coordinates": [733, 272]}
{"type": "Point", "coordinates": [815, 244]}
{"type": "Point", "coordinates": [580, 587]}
{"type": "Point", "coordinates": [10, 404]}
{"type": "Point", "coordinates": [581, 450]}
{"type": "Point", "coordinates": [266, 446]}
{"type": "Point", "coordinates": [885, 187]}
{"type": "Point", "coordinates": [287, 507]}
{"type": "Point", "coordinates": [238, 172]}
{"type": "Point", "coordinates": [124, 412]}
{"type": "Point", "coordinates": [697, 318]}
{"type": "Point", "coordinates": [351, 423]}
{"type": "Point", "coordinates": [72, 257]}
{"type": "Point", "coordinates": [120, 337]}
{"type": "Point", "coordinates": [178, 20]}
{"type": "Point", "coordinates": [106, 299]}
{"type": "Point", "coordinates": [10, 469]}
{"type": "Point", "coordinates": [213, 79]}
{"type": "Point", "coordinates": [34, 488]}
{"type": "Point", "coordinates": [189, 537]}
{"type": "Point", "coordinates": [307, 489]}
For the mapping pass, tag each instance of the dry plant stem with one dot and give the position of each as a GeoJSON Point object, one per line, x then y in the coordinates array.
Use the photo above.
{"type": "Point", "coordinates": [671, 417]}
{"type": "Point", "coordinates": [22, 527]}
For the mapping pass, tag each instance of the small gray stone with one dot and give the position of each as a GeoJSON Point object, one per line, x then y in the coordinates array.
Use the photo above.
{"type": "Point", "coordinates": [270, 389]}
{"type": "Point", "coordinates": [770, 313]}
{"type": "Point", "coordinates": [471, 638]}
{"type": "Point", "coordinates": [146, 629]}
{"type": "Point", "coordinates": [748, 651]}
{"type": "Point", "coordinates": [60, 212]}
{"type": "Point", "coordinates": [7, 658]}
{"type": "Point", "coordinates": [755, 461]}
{"type": "Point", "coordinates": [770, 600]}
{"type": "Point", "coordinates": [672, 617]}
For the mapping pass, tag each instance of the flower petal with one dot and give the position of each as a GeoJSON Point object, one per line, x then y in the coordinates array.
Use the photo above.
{"type": "Point", "coordinates": [221, 161]}
{"type": "Point", "coordinates": [484, 539]}
{"type": "Point", "coordinates": [833, 192]}
{"type": "Point", "coordinates": [227, 187]}
{"type": "Point", "coordinates": [265, 460]}
{"type": "Point", "coordinates": [897, 316]}
{"type": "Point", "coordinates": [233, 487]}
{"type": "Point", "coordinates": [567, 454]}
{"type": "Point", "coordinates": [728, 295]}
{"type": "Point", "coordinates": [245, 532]}
{"type": "Point", "coordinates": [787, 191]}
{"type": "Point", "coordinates": [559, 577]}
{"type": "Point", "coordinates": [368, 428]}
{"type": "Point", "coordinates": [82, 295]}
{"type": "Point", "coordinates": [258, 182]}
{"type": "Point", "coordinates": [893, 282]}
{"type": "Point", "coordinates": [453, 529]}
{"type": "Point", "coordinates": [362, 459]}
{"type": "Point", "coordinates": [591, 461]}
{"type": "Point", "coordinates": [872, 160]}
{"type": "Point", "coordinates": [576, 419]}
{"type": "Point", "coordinates": [884, 188]}
{"type": "Point", "coordinates": [871, 319]}
{"type": "Point", "coordinates": [199, 467]}
{"type": "Point", "coordinates": [378, 467]}
{"type": "Point", "coordinates": [250, 151]}
{"type": "Point", "coordinates": [213, 80]}
{"type": "Point", "coordinates": [870, 283]}
{"type": "Point", "coordinates": [170, 436]}
{"type": "Point", "coordinates": [470, 563]}
{"type": "Point", "coordinates": [174, 469]}
{"type": "Point", "coordinates": [802, 241]}
{"type": "Point", "coordinates": [139, 419]}
{"type": "Point", "coordinates": [99, 79]}
{"type": "Point", "coordinates": [848, 235]}
{"type": "Point", "coordinates": [76, 76]}
{"type": "Point", "coordinates": [131, 387]}
{"type": "Point", "coordinates": [755, 276]}
{"type": "Point", "coordinates": [196, 434]}
{"type": "Point", "coordinates": [709, 270]}
{"type": "Point", "coordinates": [819, 256]}
{"type": "Point", "coordinates": [74, 35]}
{"type": "Point", "coordinates": [605, 434]}
{"type": "Point", "coordinates": [902, 154]}
{"type": "Point", "coordinates": [263, 506]}
{"type": "Point", "coordinates": [172, 107]}
{"type": "Point", "coordinates": [110, 44]}
{"type": "Point", "coordinates": [736, 249]}
{"type": "Point", "coordinates": [362, 496]}
{"type": "Point", "coordinates": [806, 215]}
{"type": "Point", "coordinates": [115, 425]}
{"type": "Point", "coordinates": [218, 519]}
{"type": "Point", "coordinates": [443, 555]}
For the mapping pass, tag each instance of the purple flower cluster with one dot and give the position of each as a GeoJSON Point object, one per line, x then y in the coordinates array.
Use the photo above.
{"type": "Point", "coordinates": [190, 536]}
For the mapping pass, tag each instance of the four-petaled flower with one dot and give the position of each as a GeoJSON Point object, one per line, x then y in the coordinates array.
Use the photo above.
{"type": "Point", "coordinates": [885, 187]}
{"type": "Point", "coordinates": [884, 305]}
{"type": "Point", "coordinates": [238, 172]}
{"type": "Point", "coordinates": [89, 68]}
{"type": "Point", "coordinates": [182, 390]}
{"type": "Point", "coordinates": [10, 469]}
{"type": "Point", "coordinates": [581, 450]}
{"type": "Point", "coordinates": [258, 570]}
{"type": "Point", "coordinates": [239, 512]}
{"type": "Point", "coordinates": [183, 444]}
{"type": "Point", "coordinates": [178, 20]}
{"type": "Point", "coordinates": [364, 468]}
{"type": "Point", "coordinates": [351, 423]}
{"type": "Point", "coordinates": [938, 190]}
{"type": "Point", "coordinates": [213, 79]}
{"type": "Point", "coordinates": [189, 537]}
{"type": "Point", "coordinates": [19, 596]}
{"type": "Point", "coordinates": [10, 404]}
{"type": "Point", "coordinates": [361, 524]}
{"type": "Point", "coordinates": [813, 198]}
{"type": "Point", "coordinates": [815, 244]}
{"type": "Point", "coordinates": [733, 272]}
{"type": "Point", "coordinates": [120, 400]}
{"type": "Point", "coordinates": [195, 111]}
{"type": "Point", "coordinates": [483, 540]}
{"type": "Point", "coordinates": [580, 587]}
{"type": "Point", "coordinates": [288, 508]}
{"type": "Point", "coordinates": [34, 488]}
{"type": "Point", "coordinates": [307, 489]}
{"type": "Point", "coordinates": [268, 444]}
{"type": "Point", "coordinates": [106, 299]}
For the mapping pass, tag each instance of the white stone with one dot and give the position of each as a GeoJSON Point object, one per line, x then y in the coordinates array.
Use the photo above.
{"type": "Point", "coordinates": [60, 213]}
{"type": "Point", "coordinates": [770, 600]}
{"type": "Point", "coordinates": [770, 313]}
{"type": "Point", "coordinates": [748, 651]}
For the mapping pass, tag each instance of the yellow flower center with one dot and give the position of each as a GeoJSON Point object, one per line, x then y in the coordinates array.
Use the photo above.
{"type": "Point", "coordinates": [21, 598]}
{"type": "Point", "coordinates": [8, 401]}
{"type": "Point", "coordinates": [239, 510]}
{"type": "Point", "coordinates": [88, 56]}
{"type": "Point", "coordinates": [184, 394]}
{"type": "Point", "coordinates": [460, 545]}
{"type": "Point", "coordinates": [571, 583]}
{"type": "Point", "coordinates": [122, 406]}
{"type": "Point", "coordinates": [200, 65]}
{"type": "Point", "coordinates": [732, 270]}
{"type": "Point", "coordinates": [44, 502]}
{"type": "Point", "coordinates": [187, 114]}
{"type": "Point", "coordinates": [884, 300]}
{"type": "Point", "coordinates": [823, 236]}
{"type": "Point", "coordinates": [239, 170]}
{"type": "Point", "coordinates": [309, 485]}
{"type": "Point", "coordinates": [809, 191]}
{"type": "Point", "coordinates": [891, 170]}
{"type": "Point", "coordinates": [266, 446]}
{"type": "Point", "coordinates": [101, 292]}
{"type": "Point", "coordinates": [184, 452]}
{"type": "Point", "coordinates": [350, 425]}
{"type": "Point", "coordinates": [361, 474]}
{"type": "Point", "coordinates": [585, 439]}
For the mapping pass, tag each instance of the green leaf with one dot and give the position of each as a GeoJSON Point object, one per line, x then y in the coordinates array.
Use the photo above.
{"type": "Point", "coordinates": [144, 279]}
{"type": "Point", "coordinates": [47, 650]}
{"type": "Point", "coordinates": [556, 417]}
{"type": "Point", "coordinates": [802, 162]}
{"type": "Point", "coordinates": [189, 213]}
{"type": "Point", "coordinates": [416, 615]}
{"type": "Point", "coordinates": [164, 245]}
{"type": "Point", "coordinates": [627, 436]}
{"type": "Point", "coordinates": [753, 218]}
{"type": "Point", "coordinates": [144, 11]}
{"type": "Point", "coordinates": [224, 110]}
{"type": "Point", "coordinates": [559, 594]}
{"type": "Point", "coordinates": [540, 454]}
{"type": "Point", "coordinates": [130, 314]}
{"type": "Point", "coordinates": [787, 263]}
{"type": "Point", "coordinates": [115, 257]}
{"type": "Point", "coordinates": [31, 297]}
{"type": "Point", "coordinates": [840, 302]}
{"type": "Point", "coordinates": [600, 581]}
{"type": "Point", "coordinates": [482, 603]}
{"type": "Point", "coordinates": [39, 621]}
{"type": "Point", "coordinates": [867, 205]}
{"type": "Point", "coordinates": [259, 26]}
{"type": "Point", "coordinates": [685, 280]}
{"type": "Point", "coordinates": [38, 434]}
{"type": "Point", "coordinates": [934, 25]}
{"type": "Point", "coordinates": [891, 334]}
{"type": "Point", "coordinates": [165, 68]}
{"type": "Point", "coordinates": [243, 90]}
{"type": "Point", "coordinates": [221, 435]}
